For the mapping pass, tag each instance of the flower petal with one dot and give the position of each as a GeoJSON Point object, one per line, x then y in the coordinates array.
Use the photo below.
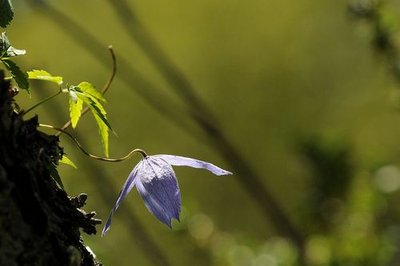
{"type": "Point", "coordinates": [158, 187]}
{"type": "Point", "coordinates": [185, 161]}
{"type": "Point", "coordinates": [126, 188]}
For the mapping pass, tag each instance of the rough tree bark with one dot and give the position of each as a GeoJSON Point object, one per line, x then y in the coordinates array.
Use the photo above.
{"type": "Point", "coordinates": [39, 223]}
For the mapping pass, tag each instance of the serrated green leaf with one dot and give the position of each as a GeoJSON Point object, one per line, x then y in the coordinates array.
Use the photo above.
{"type": "Point", "coordinates": [67, 161]}
{"type": "Point", "coordinates": [75, 108]}
{"type": "Point", "coordinates": [88, 89]}
{"type": "Point", "coordinates": [6, 50]}
{"type": "Point", "coordinates": [6, 13]}
{"type": "Point", "coordinates": [100, 116]}
{"type": "Point", "coordinates": [99, 111]}
{"type": "Point", "coordinates": [103, 132]}
{"type": "Point", "coordinates": [96, 107]}
{"type": "Point", "coordinates": [54, 174]}
{"type": "Point", "coordinates": [20, 77]}
{"type": "Point", "coordinates": [44, 75]}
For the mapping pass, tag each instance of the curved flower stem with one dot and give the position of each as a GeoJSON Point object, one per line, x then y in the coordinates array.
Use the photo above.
{"type": "Point", "coordinates": [103, 91]}
{"type": "Point", "coordinates": [41, 102]}
{"type": "Point", "coordinates": [112, 160]}
{"type": "Point", "coordinates": [114, 70]}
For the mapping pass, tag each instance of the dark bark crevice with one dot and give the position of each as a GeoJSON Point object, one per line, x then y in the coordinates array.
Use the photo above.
{"type": "Point", "coordinates": [39, 223]}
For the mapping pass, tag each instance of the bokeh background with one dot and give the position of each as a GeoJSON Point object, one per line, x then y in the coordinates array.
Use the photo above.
{"type": "Point", "coordinates": [301, 96]}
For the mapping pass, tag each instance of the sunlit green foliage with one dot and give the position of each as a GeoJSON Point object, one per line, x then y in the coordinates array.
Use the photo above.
{"type": "Point", "coordinates": [6, 53]}
{"type": "Point", "coordinates": [82, 93]}
{"type": "Point", "coordinates": [44, 75]}
{"type": "Point", "coordinates": [67, 161]}
{"type": "Point", "coordinates": [85, 92]}
{"type": "Point", "coordinates": [75, 107]}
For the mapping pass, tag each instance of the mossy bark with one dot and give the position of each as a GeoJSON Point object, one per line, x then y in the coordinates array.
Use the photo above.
{"type": "Point", "coordinates": [39, 223]}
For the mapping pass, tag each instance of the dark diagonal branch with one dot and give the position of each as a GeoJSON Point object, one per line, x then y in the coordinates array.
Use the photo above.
{"type": "Point", "coordinates": [128, 74]}
{"type": "Point", "coordinates": [196, 108]}
{"type": "Point", "coordinates": [170, 71]}
{"type": "Point", "coordinates": [204, 117]}
{"type": "Point", "coordinates": [384, 40]}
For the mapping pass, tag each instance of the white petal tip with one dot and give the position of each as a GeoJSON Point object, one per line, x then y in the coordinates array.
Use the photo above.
{"type": "Point", "coordinates": [227, 173]}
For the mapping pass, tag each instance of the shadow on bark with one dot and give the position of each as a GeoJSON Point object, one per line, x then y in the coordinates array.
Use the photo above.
{"type": "Point", "coordinates": [39, 223]}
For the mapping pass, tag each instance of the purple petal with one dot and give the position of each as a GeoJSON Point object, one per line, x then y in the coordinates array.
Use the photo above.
{"type": "Point", "coordinates": [126, 188]}
{"type": "Point", "coordinates": [158, 187]}
{"type": "Point", "coordinates": [184, 161]}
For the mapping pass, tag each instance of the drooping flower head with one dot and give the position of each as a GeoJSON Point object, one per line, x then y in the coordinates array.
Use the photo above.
{"type": "Point", "coordinates": [156, 182]}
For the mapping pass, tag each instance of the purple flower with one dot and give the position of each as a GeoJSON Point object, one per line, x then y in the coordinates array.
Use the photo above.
{"type": "Point", "coordinates": [156, 182]}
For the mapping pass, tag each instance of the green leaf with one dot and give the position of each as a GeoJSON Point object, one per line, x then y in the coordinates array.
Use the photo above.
{"type": "Point", "coordinates": [44, 75]}
{"type": "Point", "coordinates": [99, 111]}
{"type": "Point", "coordinates": [103, 132]}
{"type": "Point", "coordinates": [6, 50]}
{"type": "Point", "coordinates": [67, 161]}
{"type": "Point", "coordinates": [95, 106]}
{"type": "Point", "coordinates": [91, 97]}
{"type": "Point", "coordinates": [20, 77]}
{"type": "Point", "coordinates": [89, 89]}
{"type": "Point", "coordinates": [100, 116]}
{"type": "Point", "coordinates": [75, 108]}
{"type": "Point", "coordinates": [54, 174]}
{"type": "Point", "coordinates": [6, 13]}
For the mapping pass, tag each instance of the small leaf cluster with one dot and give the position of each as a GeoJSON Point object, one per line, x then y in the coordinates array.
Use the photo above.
{"type": "Point", "coordinates": [82, 94]}
{"type": "Point", "coordinates": [79, 95]}
{"type": "Point", "coordinates": [7, 51]}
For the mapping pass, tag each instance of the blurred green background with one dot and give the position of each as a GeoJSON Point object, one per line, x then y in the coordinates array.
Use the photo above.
{"type": "Point", "coordinates": [296, 87]}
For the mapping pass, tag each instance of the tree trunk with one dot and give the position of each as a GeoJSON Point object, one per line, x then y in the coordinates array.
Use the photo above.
{"type": "Point", "coordinates": [39, 223]}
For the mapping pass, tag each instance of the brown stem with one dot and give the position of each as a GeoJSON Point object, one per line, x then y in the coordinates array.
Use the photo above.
{"type": "Point", "coordinates": [78, 144]}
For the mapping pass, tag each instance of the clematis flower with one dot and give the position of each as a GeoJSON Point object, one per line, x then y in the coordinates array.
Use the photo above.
{"type": "Point", "coordinates": [156, 182]}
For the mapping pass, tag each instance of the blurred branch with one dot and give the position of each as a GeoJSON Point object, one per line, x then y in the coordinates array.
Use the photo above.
{"type": "Point", "coordinates": [128, 74]}
{"type": "Point", "coordinates": [245, 174]}
{"type": "Point", "coordinates": [332, 173]}
{"type": "Point", "coordinates": [205, 118]}
{"type": "Point", "coordinates": [383, 29]}
{"type": "Point", "coordinates": [170, 71]}
{"type": "Point", "coordinates": [385, 41]}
